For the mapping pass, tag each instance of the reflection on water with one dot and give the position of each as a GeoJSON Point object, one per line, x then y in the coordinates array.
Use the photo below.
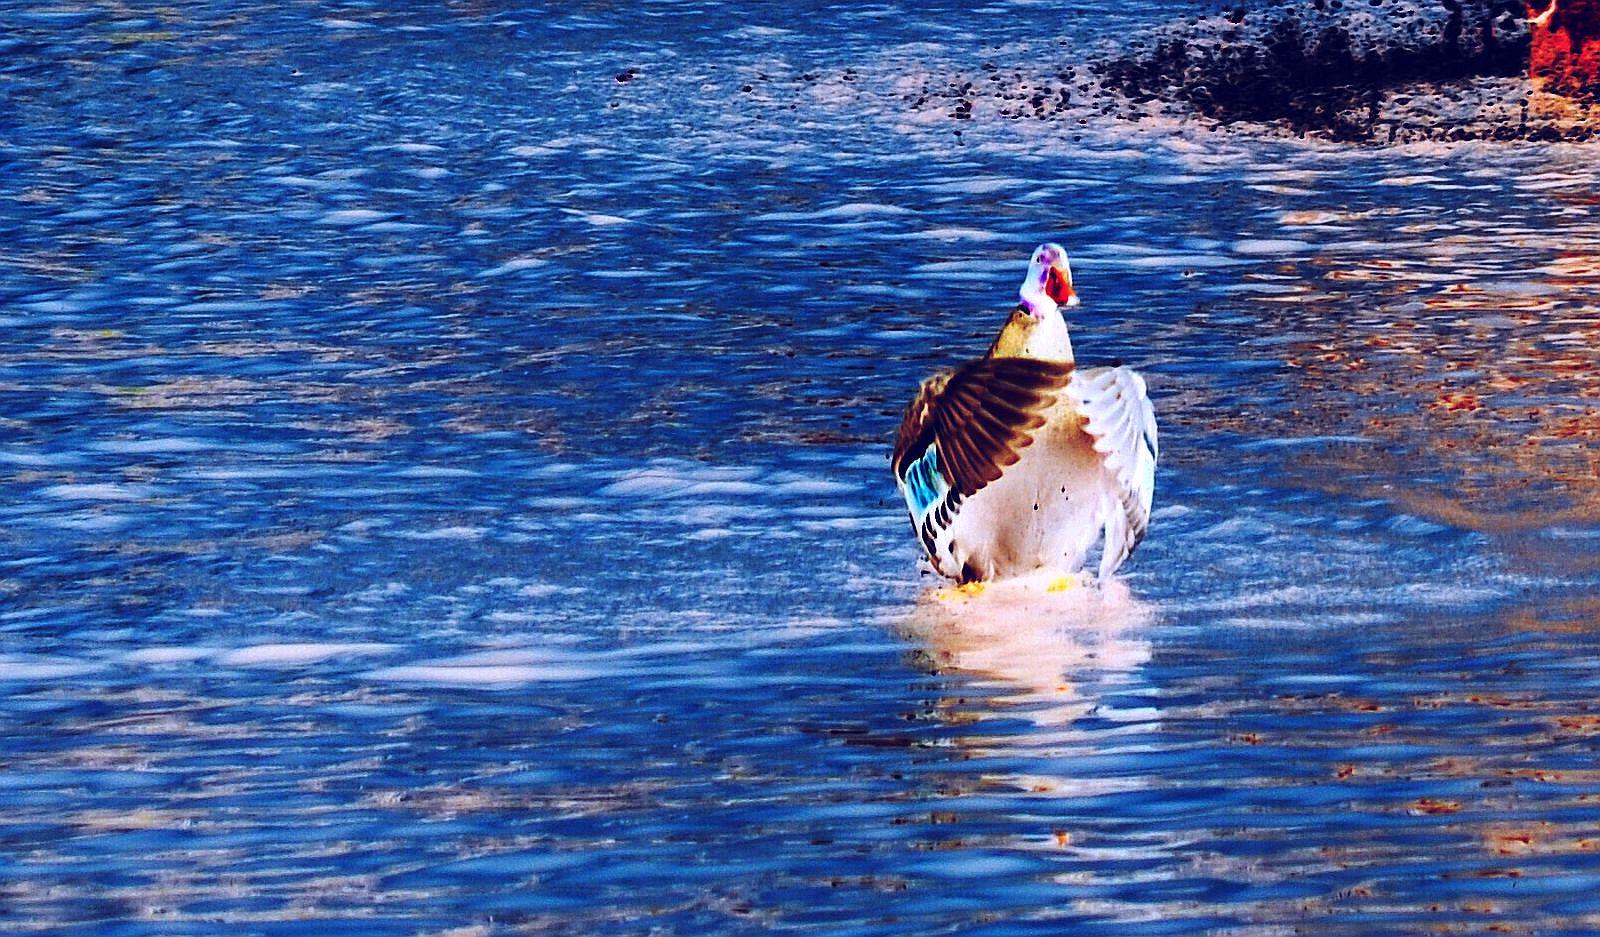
{"type": "Point", "coordinates": [1483, 376]}
{"type": "Point", "coordinates": [443, 489]}
{"type": "Point", "coordinates": [1048, 648]}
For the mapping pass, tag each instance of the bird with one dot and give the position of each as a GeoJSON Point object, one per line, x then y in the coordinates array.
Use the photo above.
{"type": "Point", "coordinates": [1020, 461]}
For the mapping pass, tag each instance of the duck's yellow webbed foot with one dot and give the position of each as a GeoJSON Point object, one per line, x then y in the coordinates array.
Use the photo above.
{"type": "Point", "coordinates": [1062, 584]}
{"type": "Point", "coordinates": [966, 590]}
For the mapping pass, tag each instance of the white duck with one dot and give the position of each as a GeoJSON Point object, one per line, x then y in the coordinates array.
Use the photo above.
{"type": "Point", "coordinates": [1018, 461]}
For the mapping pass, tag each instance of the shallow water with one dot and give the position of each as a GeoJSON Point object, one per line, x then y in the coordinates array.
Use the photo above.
{"type": "Point", "coordinates": [443, 484]}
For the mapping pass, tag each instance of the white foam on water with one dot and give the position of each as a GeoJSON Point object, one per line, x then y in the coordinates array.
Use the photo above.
{"type": "Point", "coordinates": [16, 667]}
{"type": "Point", "coordinates": [981, 185]}
{"type": "Point", "coordinates": [1411, 180]}
{"type": "Point", "coordinates": [395, 227]}
{"type": "Point", "coordinates": [597, 219]}
{"type": "Point", "coordinates": [348, 217]}
{"type": "Point", "coordinates": [813, 486]}
{"type": "Point", "coordinates": [104, 491]}
{"type": "Point", "coordinates": [507, 656]}
{"type": "Point", "coordinates": [949, 234]}
{"type": "Point", "coordinates": [435, 471]}
{"type": "Point", "coordinates": [1283, 190]}
{"type": "Point", "coordinates": [646, 483]}
{"type": "Point", "coordinates": [1181, 262]}
{"type": "Point", "coordinates": [169, 444]}
{"type": "Point", "coordinates": [514, 265]}
{"type": "Point", "coordinates": [859, 210]}
{"type": "Point", "coordinates": [53, 306]}
{"type": "Point", "coordinates": [539, 590]}
{"type": "Point", "coordinates": [710, 533]}
{"type": "Point", "coordinates": [28, 458]}
{"type": "Point", "coordinates": [1242, 528]}
{"type": "Point", "coordinates": [1445, 595]}
{"type": "Point", "coordinates": [448, 533]}
{"type": "Point", "coordinates": [305, 182]}
{"type": "Point", "coordinates": [169, 655]}
{"type": "Point", "coordinates": [552, 145]}
{"type": "Point", "coordinates": [1257, 247]}
{"type": "Point", "coordinates": [758, 32]}
{"type": "Point", "coordinates": [667, 480]}
{"type": "Point", "coordinates": [973, 267]}
{"type": "Point", "coordinates": [99, 519]}
{"type": "Point", "coordinates": [514, 618]}
{"type": "Point", "coordinates": [486, 675]}
{"type": "Point", "coordinates": [288, 655]}
{"type": "Point", "coordinates": [1290, 442]}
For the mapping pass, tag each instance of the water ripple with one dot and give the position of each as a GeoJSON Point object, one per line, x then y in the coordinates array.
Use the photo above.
{"type": "Point", "coordinates": [445, 491]}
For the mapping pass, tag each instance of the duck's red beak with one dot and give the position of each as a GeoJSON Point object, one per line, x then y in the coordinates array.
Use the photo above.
{"type": "Point", "coordinates": [1058, 286]}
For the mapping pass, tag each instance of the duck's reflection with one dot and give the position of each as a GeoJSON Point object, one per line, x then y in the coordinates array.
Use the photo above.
{"type": "Point", "coordinates": [1048, 643]}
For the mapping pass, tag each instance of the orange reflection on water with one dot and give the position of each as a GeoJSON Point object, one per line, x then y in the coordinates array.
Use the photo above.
{"type": "Point", "coordinates": [1491, 391]}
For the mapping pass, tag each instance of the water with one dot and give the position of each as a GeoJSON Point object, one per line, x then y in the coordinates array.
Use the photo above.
{"type": "Point", "coordinates": [443, 488]}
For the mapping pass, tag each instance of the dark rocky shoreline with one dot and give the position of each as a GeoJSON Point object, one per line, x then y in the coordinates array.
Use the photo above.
{"type": "Point", "coordinates": [1375, 71]}
{"type": "Point", "coordinates": [1320, 65]}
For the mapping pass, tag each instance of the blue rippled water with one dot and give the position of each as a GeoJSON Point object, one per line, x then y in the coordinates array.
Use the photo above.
{"type": "Point", "coordinates": [443, 489]}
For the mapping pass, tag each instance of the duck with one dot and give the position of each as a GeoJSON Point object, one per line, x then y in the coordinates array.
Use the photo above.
{"type": "Point", "coordinates": [1019, 462]}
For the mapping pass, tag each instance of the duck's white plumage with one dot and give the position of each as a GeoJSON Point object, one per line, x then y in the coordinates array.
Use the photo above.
{"type": "Point", "coordinates": [1019, 461]}
{"type": "Point", "coordinates": [1117, 415]}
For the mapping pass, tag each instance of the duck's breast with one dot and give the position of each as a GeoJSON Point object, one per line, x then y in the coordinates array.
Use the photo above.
{"type": "Point", "coordinates": [1044, 511]}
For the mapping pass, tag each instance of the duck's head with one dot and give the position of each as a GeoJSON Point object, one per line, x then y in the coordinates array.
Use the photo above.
{"type": "Point", "coordinates": [1048, 285]}
{"type": "Point", "coordinates": [1036, 329]}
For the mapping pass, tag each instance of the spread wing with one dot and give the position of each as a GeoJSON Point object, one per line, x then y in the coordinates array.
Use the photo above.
{"type": "Point", "coordinates": [916, 427]}
{"type": "Point", "coordinates": [1117, 415]}
{"type": "Point", "coordinates": [964, 429]}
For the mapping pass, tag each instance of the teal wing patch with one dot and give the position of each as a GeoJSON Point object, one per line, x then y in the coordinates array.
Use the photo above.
{"type": "Point", "coordinates": [924, 486]}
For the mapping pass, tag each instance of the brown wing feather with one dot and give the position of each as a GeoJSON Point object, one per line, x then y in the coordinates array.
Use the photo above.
{"type": "Point", "coordinates": [916, 427]}
{"type": "Point", "coordinates": [985, 415]}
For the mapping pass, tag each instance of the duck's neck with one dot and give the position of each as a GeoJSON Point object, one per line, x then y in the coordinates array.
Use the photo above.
{"type": "Point", "coordinates": [1026, 337]}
